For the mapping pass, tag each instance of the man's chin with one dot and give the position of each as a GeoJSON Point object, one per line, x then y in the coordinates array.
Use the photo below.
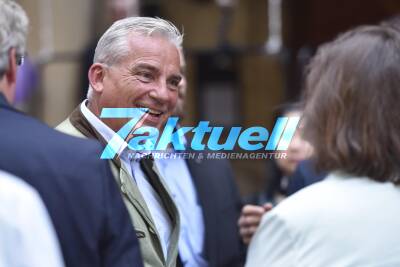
{"type": "Point", "coordinates": [158, 125]}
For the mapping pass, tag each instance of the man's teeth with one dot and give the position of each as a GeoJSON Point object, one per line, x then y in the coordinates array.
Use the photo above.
{"type": "Point", "coordinates": [154, 112]}
{"type": "Point", "coordinates": [151, 111]}
{"type": "Point", "coordinates": [144, 110]}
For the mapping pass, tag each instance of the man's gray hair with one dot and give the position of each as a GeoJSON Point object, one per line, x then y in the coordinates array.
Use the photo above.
{"type": "Point", "coordinates": [113, 45]}
{"type": "Point", "coordinates": [13, 30]}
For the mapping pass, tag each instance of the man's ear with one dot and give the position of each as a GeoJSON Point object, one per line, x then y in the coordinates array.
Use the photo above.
{"type": "Point", "coordinates": [11, 73]}
{"type": "Point", "coordinates": [96, 76]}
{"type": "Point", "coordinates": [10, 76]}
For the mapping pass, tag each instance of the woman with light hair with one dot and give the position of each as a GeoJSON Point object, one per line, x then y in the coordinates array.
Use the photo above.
{"type": "Point", "coordinates": [352, 119]}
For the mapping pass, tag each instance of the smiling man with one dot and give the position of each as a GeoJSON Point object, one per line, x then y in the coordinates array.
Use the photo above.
{"type": "Point", "coordinates": [136, 65]}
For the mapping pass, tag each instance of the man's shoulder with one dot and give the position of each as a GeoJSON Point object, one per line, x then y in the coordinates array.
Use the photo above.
{"type": "Point", "coordinates": [70, 139]}
{"type": "Point", "coordinates": [89, 149]}
{"type": "Point", "coordinates": [68, 128]}
{"type": "Point", "coordinates": [27, 142]}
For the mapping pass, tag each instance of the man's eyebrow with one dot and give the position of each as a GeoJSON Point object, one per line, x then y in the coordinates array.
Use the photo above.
{"type": "Point", "coordinates": [145, 66]}
{"type": "Point", "coordinates": [176, 77]}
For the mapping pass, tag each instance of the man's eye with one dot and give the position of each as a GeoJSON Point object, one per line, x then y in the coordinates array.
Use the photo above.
{"type": "Point", "coordinates": [145, 76]}
{"type": "Point", "coordinates": [174, 84]}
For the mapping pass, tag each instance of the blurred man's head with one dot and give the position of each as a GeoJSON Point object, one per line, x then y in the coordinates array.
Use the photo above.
{"type": "Point", "coordinates": [13, 32]}
{"type": "Point", "coordinates": [120, 9]}
{"type": "Point", "coordinates": [180, 104]}
{"type": "Point", "coordinates": [137, 65]}
{"type": "Point", "coordinates": [299, 149]}
{"type": "Point", "coordinates": [392, 22]}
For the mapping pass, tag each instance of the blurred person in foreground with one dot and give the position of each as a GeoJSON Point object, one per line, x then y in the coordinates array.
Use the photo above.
{"type": "Point", "coordinates": [280, 181]}
{"type": "Point", "coordinates": [19, 234]}
{"type": "Point", "coordinates": [136, 65]}
{"type": "Point", "coordinates": [77, 188]}
{"type": "Point", "coordinates": [352, 119]}
{"type": "Point", "coordinates": [208, 202]}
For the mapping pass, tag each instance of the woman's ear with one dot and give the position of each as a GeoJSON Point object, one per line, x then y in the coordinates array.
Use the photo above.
{"type": "Point", "coordinates": [96, 76]}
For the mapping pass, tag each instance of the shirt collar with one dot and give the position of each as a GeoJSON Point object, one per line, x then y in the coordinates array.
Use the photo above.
{"type": "Point", "coordinates": [3, 100]}
{"type": "Point", "coordinates": [107, 133]}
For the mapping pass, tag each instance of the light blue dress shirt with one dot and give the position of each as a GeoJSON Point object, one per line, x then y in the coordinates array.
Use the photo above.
{"type": "Point", "coordinates": [180, 183]}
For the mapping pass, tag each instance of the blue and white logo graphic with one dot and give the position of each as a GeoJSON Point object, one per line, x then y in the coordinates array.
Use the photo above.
{"type": "Point", "coordinates": [148, 138]}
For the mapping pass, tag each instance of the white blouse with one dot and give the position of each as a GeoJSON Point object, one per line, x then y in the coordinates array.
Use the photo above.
{"type": "Point", "coordinates": [341, 221]}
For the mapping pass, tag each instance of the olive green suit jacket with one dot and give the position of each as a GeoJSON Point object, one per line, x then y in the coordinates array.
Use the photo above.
{"type": "Point", "coordinates": [143, 223]}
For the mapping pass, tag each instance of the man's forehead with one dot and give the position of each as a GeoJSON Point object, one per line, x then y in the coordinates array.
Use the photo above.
{"type": "Point", "coordinates": [152, 49]}
{"type": "Point", "coordinates": [143, 39]}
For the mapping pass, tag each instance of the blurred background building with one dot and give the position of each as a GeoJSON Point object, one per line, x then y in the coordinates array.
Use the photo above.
{"type": "Point", "coordinates": [244, 57]}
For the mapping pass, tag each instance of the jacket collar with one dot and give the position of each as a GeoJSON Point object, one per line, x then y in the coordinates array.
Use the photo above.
{"type": "Point", "coordinates": [3, 102]}
{"type": "Point", "coordinates": [5, 105]}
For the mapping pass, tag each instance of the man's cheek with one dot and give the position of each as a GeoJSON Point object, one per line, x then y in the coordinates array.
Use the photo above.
{"type": "Point", "coordinates": [174, 97]}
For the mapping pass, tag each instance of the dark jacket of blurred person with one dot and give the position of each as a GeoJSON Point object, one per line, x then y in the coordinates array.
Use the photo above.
{"type": "Point", "coordinates": [304, 175]}
{"type": "Point", "coordinates": [80, 194]}
{"type": "Point", "coordinates": [84, 204]}
{"type": "Point", "coordinates": [213, 214]}
{"type": "Point", "coordinates": [210, 186]}
{"type": "Point", "coordinates": [208, 201]}
{"type": "Point", "coordinates": [86, 208]}
{"type": "Point", "coordinates": [220, 201]}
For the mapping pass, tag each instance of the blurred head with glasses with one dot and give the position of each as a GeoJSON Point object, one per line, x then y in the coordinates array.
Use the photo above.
{"type": "Point", "coordinates": [13, 33]}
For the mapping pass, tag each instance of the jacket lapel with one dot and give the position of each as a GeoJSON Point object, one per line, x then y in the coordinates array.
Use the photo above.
{"type": "Point", "coordinates": [4, 104]}
{"type": "Point", "coordinates": [127, 186]}
{"type": "Point", "coordinates": [3, 101]}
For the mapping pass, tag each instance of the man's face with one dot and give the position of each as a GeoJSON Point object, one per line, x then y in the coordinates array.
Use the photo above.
{"type": "Point", "coordinates": [148, 77]}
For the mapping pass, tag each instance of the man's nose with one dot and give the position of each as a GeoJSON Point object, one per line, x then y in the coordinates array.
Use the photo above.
{"type": "Point", "coordinates": [160, 92]}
